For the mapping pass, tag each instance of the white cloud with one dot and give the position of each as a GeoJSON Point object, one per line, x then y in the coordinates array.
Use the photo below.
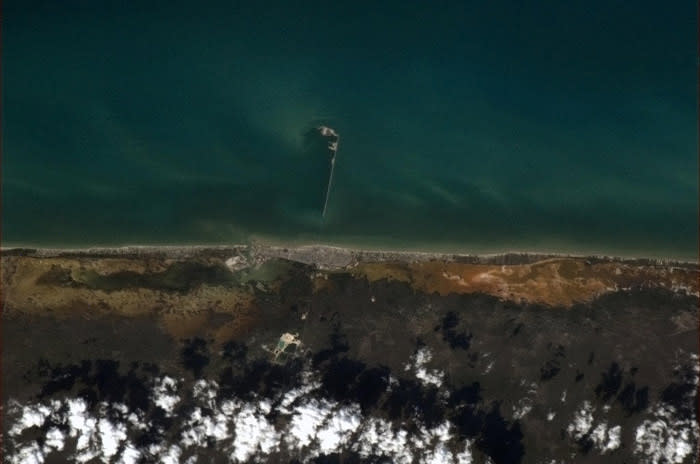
{"type": "Point", "coordinates": [165, 394]}
{"type": "Point", "coordinates": [253, 433]}
{"type": "Point", "coordinates": [613, 442]}
{"type": "Point", "coordinates": [668, 436]}
{"type": "Point", "coordinates": [28, 454]}
{"type": "Point", "coordinates": [111, 436]}
{"type": "Point", "coordinates": [306, 419]}
{"type": "Point", "coordinates": [198, 428]}
{"type": "Point", "coordinates": [32, 416]}
{"type": "Point", "coordinates": [426, 376]}
{"type": "Point", "coordinates": [665, 437]}
{"type": "Point", "coordinates": [306, 425]}
{"type": "Point", "coordinates": [465, 456]}
{"type": "Point", "coordinates": [524, 405]}
{"type": "Point", "coordinates": [54, 440]}
{"type": "Point", "coordinates": [308, 385]}
{"type": "Point", "coordinates": [522, 409]}
{"type": "Point", "coordinates": [605, 438]}
{"type": "Point", "coordinates": [338, 428]}
{"type": "Point", "coordinates": [313, 426]}
{"type": "Point", "coordinates": [439, 455]}
{"type": "Point", "coordinates": [130, 455]}
{"type": "Point", "coordinates": [582, 421]}
{"type": "Point", "coordinates": [205, 391]}
{"type": "Point", "coordinates": [378, 438]}
{"type": "Point", "coordinates": [171, 456]}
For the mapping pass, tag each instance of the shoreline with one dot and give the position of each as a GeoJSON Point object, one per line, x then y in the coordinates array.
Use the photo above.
{"type": "Point", "coordinates": [328, 256]}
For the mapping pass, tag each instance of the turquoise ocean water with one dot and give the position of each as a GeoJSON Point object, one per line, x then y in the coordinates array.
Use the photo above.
{"type": "Point", "coordinates": [466, 126]}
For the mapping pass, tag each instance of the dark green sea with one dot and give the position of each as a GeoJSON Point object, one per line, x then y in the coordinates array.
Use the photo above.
{"type": "Point", "coordinates": [464, 126]}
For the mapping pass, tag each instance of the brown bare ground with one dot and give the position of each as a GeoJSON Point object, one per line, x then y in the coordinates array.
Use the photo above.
{"type": "Point", "coordinates": [182, 314]}
{"type": "Point", "coordinates": [56, 287]}
{"type": "Point", "coordinates": [554, 282]}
